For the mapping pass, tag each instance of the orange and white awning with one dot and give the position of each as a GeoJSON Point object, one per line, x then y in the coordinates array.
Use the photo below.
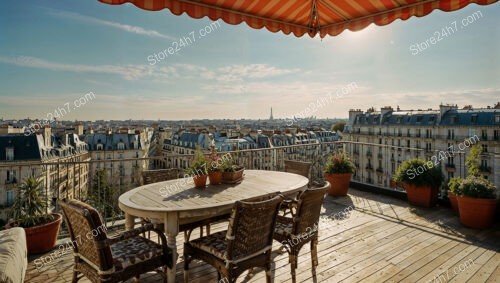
{"type": "Point", "coordinates": [323, 17]}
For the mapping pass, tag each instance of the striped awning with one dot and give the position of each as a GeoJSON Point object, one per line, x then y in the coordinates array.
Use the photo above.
{"type": "Point", "coordinates": [299, 17]}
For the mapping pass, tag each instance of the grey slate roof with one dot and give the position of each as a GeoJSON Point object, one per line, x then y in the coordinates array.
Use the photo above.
{"type": "Point", "coordinates": [25, 147]}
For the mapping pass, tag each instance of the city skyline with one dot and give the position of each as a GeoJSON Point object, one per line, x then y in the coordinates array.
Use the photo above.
{"type": "Point", "coordinates": [53, 53]}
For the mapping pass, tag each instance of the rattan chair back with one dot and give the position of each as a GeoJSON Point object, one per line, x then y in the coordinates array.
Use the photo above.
{"type": "Point", "coordinates": [298, 167]}
{"type": "Point", "coordinates": [309, 205]}
{"type": "Point", "coordinates": [251, 227]}
{"type": "Point", "coordinates": [88, 234]}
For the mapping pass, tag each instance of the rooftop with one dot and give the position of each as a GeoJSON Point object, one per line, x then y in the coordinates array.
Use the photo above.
{"type": "Point", "coordinates": [381, 239]}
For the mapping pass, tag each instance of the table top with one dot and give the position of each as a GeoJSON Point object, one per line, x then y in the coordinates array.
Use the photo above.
{"type": "Point", "coordinates": [180, 195]}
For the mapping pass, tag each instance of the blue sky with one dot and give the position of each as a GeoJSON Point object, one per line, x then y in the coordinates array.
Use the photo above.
{"type": "Point", "coordinates": [54, 52]}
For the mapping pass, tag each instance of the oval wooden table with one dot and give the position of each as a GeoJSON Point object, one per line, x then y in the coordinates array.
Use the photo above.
{"type": "Point", "coordinates": [179, 202]}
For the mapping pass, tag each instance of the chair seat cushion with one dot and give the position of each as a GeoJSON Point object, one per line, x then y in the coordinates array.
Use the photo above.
{"type": "Point", "coordinates": [133, 251]}
{"type": "Point", "coordinates": [284, 226]}
{"type": "Point", "coordinates": [215, 244]}
{"type": "Point", "coordinates": [13, 255]}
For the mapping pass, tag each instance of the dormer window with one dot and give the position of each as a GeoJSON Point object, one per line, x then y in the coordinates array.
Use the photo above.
{"type": "Point", "coordinates": [9, 153]}
{"type": "Point", "coordinates": [419, 119]}
{"type": "Point", "coordinates": [497, 118]}
{"type": "Point", "coordinates": [121, 146]}
{"type": "Point", "coordinates": [99, 146]}
{"type": "Point", "coordinates": [453, 119]}
{"type": "Point", "coordinates": [473, 118]}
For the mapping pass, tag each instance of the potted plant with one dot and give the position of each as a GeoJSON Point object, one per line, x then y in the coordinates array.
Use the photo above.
{"type": "Point", "coordinates": [198, 169]}
{"type": "Point", "coordinates": [477, 202]}
{"type": "Point", "coordinates": [214, 167]}
{"type": "Point", "coordinates": [421, 180]}
{"type": "Point", "coordinates": [231, 173]}
{"type": "Point", "coordinates": [338, 171]}
{"type": "Point", "coordinates": [30, 211]}
{"type": "Point", "coordinates": [453, 187]}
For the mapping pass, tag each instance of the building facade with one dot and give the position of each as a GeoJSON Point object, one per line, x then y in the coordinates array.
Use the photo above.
{"type": "Point", "coordinates": [383, 139]}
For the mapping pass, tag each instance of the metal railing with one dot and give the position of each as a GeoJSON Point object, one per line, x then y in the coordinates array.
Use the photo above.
{"type": "Point", "coordinates": [78, 179]}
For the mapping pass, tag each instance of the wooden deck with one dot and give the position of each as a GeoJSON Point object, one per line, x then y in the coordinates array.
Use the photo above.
{"type": "Point", "coordinates": [380, 240]}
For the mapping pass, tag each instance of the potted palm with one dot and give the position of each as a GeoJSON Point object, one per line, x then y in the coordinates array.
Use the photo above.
{"type": "Point", "coordinates": [477, 202]}
{"type": "Point", "coordinates": [338, 171]}
{"type": "Point", "coordinates": [421, 181]}
{"type": "Point", "coordinates": [198, 169]}
{"type": "Point", "coordinates": [214, 167]}
{"type": "Point", "coordinates": [231, 173]}
{"type": "Point", "coordinates": [30, 211]}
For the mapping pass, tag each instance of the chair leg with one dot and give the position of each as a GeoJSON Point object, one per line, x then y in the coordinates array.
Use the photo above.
{"type": "Point", "coordinates": [75, 276]}
{"type": "Point", "coordinates": [293, 264]}
{"type": "Point", "coordinates": [269, 277]}
{"type": "Point", "coordinates": [186, 268]}
{"type": "Point", "coordinates": [314, 256]}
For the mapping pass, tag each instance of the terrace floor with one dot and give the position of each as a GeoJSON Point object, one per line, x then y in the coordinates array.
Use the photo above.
{"type": "Point", "coordinates": [381, 240]}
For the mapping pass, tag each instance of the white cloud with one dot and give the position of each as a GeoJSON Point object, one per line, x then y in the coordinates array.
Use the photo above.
{"type": "Point", "coordinates": [124, 27]}
{"type": "Point", "coordinates": [158, 73]}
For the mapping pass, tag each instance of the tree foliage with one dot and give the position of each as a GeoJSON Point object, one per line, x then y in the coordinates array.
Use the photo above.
{"type": "Point", "coordinates": [339, 126]}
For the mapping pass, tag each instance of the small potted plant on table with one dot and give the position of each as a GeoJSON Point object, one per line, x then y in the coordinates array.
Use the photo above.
{"type": "Point", "coordinates": [198, 169]}
{"type": "Point", "coordinates": [215, 164]}
{"type": "Point", "coordinates": [421, 181]}
{"type": "Point", "coordinates": [30, 211]}
{"type": "Point", "coordinates": [338, 171]}
{"type": "Point", "coordinates": [232, 173]}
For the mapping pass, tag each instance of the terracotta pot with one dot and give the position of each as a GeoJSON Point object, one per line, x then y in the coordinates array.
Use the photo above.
{"type": "Point", "coordinates": [477, 212]}
{"type": "Point", "coordinates": [42, 238]}
{"type": "Point", "coordinates": [232, 177]}
{"type": "Point", "coordinates": [215, 177]}
{"type": "Point", "coordinates": [339, 183]}
{"type": "Point", "coordinates": [425, 196]}
{"type": "Point", "coordinates": [200, 181]}
{"type": "Point", "coordinates": [453, 202]}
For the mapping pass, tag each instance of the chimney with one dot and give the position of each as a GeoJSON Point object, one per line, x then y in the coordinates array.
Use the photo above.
{"type": "Point", "coordinates": [47, 133]}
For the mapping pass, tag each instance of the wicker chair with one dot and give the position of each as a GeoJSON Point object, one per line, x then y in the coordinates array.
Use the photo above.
{"type": "Point", "coordinates": [103, 259]}
{"type": "Point", "coordinates": [246, 244]}
{"type": "Point", "coordinates": [294, 232]}
{"type": "Point", "coordinates": [298, 167]}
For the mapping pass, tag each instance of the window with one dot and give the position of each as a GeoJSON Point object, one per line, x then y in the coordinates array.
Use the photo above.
{"type": "Point", "coordinates": [497, 118]}
{"type": "Point", "coordinates": [9, 153]}
{"type": "Point", "coordinates": [484, 134]}
{"type": "Point", "coordinates": [472, 132]}
{"type": "Point", "coordinates": [99, 146]}
{"type": "Point", "coordinates": [398, 120]}
{"type": "Point", "coordinates": [451, 134]}
{"type": "Point", "coordinates": [10, 198]}
{"type": "Point", "coordinates": [496, 135]}
{"type": "Point", "coordinates": [121, 155]}
{"type": "Point", "coordinates": [485, 147]}
{"type": "Point", "coordinates": [121, 146]}
{"type": "Point", "coordinates": [419, 119]}
{"type": "Point", "coordinates": [432, 118]}
{"type": "Point", "coordinates": [453, 119]}
{"type": "Point", "coordinates": [473, 118]}
{"type": "Point", "coordinates": [11, 176]}
{"type": "Point", "coordinates": [408, 143]}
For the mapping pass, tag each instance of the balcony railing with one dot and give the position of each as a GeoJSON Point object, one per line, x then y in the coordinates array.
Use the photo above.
{"type": "Point", "coordinates": [484, 169]}
{"type": "Point", "coordinates": [11, 181]}
{"type": "Point", "coordinates": [81, 176]}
